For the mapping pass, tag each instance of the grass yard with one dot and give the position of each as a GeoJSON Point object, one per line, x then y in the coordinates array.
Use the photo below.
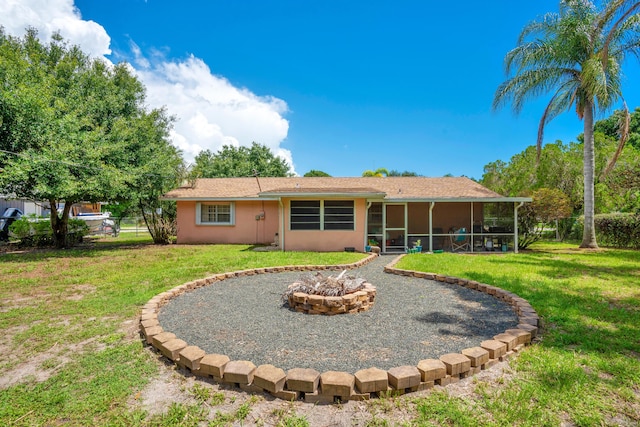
{"type": "Point", "coordinates": [71, 355]}
{"type": "Point", "coordinates": [586, 370]}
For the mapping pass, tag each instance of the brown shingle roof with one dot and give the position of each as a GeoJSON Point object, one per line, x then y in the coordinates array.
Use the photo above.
{"type": "Point", "coordinates": [394, 188]}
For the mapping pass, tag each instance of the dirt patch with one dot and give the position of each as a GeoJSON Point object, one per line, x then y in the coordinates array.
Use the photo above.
{"type": "Point", "coordinates": [33, 369]}
{"type": "Point", "coordinates": [17, 301]}
{"type": "Point", "coordinates": [78, 292]}
{"type": "Point", "coordinates": [43, 365]}
{"type": "Point", "coordinates": [497, 376]}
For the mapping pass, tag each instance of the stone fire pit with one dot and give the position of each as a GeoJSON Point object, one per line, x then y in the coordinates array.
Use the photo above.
{"type": "Point", "coordinates": [316, 294]}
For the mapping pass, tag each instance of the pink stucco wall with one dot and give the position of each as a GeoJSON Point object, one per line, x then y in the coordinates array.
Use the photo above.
{"type": "Point", "coordinates": [246, 230]}
{"type": "Point", "coordinates": [330, 240]}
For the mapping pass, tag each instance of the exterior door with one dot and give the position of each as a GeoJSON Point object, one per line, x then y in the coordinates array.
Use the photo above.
{"type": "Point", "coordinates": [395, 227]}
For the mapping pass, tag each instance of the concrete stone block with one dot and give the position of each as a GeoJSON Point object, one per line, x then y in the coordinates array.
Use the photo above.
{"type": "Point", "coordinates": [371, 380]}
{"type": "Point", "coordinates": [171, 349]}
{"type": "Point", "coordinates": [148, 316]}
{"type": "Point", "coordinates": [491, 290]}
{"type": "Point", "coordinates": [510, 340]}
{"type": "Point", "coordinates": [150, 323]}
{"type": "Point", "coordinates": [472, 284]}
{"type": "Point", "coordinates": [318, 398]}
{"type": "Point", "coordinates": [190, 357]}
{"type": "Point", "coordinates": [158, 339]}
{"type": "Point", "coordinates": [360, 397]}
{"type": "Point", "coordinates": [300, 297]}
{"type": "Point", "coordinates": [315, 299]}
{"type": "Point", "coordinates": [533, 330]}
{"type": "Point", "coordinates": [349, 299]}
{"type": "Point", "coordinates": [478, 355]}
{"type": "Point", "coordinates": [149, 333]}
{"type": "Point", "coordinates": [403, 377]}
{"type": "Point", "coordinates": [432, 369]}
{"type": "Point", "coordinates": [214, 365]}
{"type": "Point", "coordinates": [443, 381]}
{"type": "Point", "coordinates": [270, 378]}
{"type": "Point", "coordinates": [426, 385]}
{"type": "Point", "coordinates": [250, 388]}
{"type": "Point", "coordinates": [239, 371]}
{"type": "Point", "coordinates": [305, 380]}
{"type": "Point", "coordinates": [333, 302]}
{"type": "Point", "coordinates": [362, 296]}
{"type": "Point", "coordinates": [531, 320]}
{"type": "Point", "coordinates": [337, 383]}
{"type": "Point", "coordinates": [287, 395]}
{"type": "Point", "coordinates": [456, 363]}
{"type": "Point", "coordinates": [494, 347]}
{"type": "Point", "coordinates": [523, 336]}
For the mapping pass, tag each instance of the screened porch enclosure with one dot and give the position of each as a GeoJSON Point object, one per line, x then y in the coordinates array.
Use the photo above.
{"type": "Point", "coordinates": [489, 226]}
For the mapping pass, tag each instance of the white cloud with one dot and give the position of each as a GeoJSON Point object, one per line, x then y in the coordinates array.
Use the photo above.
{"type": "Point", "coordinates": [49, 16]}
{"type": "Point", "coordinates": [210, 111]}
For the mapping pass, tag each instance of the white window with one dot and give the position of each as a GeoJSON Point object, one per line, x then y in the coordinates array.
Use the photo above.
{"type": "Point", "coordinates": [215, 213]}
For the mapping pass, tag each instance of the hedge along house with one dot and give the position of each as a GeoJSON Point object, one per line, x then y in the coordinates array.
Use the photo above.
{"type": "Point", "coordinates": [334, 214]}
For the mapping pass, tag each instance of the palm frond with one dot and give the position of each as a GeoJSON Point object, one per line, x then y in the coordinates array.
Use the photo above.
{"type": "Point", "coordinates": [560, 102]}
{"type": "Point", "coordinates": [627, 15]}
{"type": "Point", "coordinates": [623, 131]}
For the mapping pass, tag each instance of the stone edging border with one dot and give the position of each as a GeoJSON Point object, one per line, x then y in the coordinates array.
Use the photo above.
{"type": "Point", "coordinates": [333, 386]}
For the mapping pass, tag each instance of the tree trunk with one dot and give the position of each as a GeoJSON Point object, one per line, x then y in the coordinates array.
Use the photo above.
{"type": "Point", "coordinates": [60, 225]}
{"type": "Point", "coordinates": [589, 232]}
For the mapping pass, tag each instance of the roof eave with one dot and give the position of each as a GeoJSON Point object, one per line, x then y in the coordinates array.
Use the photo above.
{"type": "Point", "coordinates": [217, 199]}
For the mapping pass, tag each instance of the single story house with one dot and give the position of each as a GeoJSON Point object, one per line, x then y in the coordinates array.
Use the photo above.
{"type": "Point", "coordinates": [334, 214]}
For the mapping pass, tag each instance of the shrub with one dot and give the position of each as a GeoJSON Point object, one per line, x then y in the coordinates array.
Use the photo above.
{"type": "Point", "coordinates": [547, 206]}
{"type": "Point", "coordinates": [618, 229]}
{"type": "Point", "coordinates": [37, 232]}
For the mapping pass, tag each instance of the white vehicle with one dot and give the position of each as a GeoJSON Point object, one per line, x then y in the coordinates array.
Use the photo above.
{"type": "Point", "coordinates": [99, 223]}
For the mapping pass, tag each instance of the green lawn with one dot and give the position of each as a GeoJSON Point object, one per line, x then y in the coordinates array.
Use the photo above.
{"type": "Point", "coordinates": [69, 316]}
{"type": "Point", "coordinates": [586, 370]}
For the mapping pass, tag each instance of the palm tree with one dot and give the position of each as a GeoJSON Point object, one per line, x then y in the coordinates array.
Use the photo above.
{"type": "Point", "coordinates": [378, 173]}
{"type": "Point", "coordinates": [577, 56]}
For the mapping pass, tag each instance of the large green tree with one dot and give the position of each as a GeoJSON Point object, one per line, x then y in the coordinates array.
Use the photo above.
{"type": "Point", "coordinates": [72, 128]}
{"type": "Point", "coordinates": [577, 56]}
{"type": "Point", "coordinates": [240, 161]}
{"type": "Point", "coordinates": [559, 166]}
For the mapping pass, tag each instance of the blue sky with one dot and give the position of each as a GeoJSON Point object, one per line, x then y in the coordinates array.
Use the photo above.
{"type": "Point", "coordinates": [338, 86]}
